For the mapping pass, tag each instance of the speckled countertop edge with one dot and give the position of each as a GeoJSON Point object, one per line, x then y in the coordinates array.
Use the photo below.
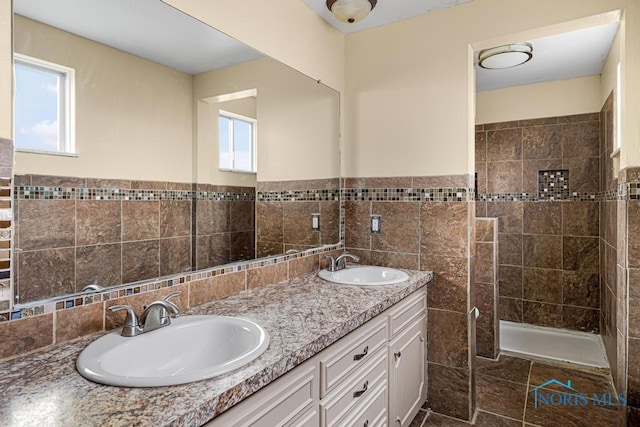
{"type": "Point", "coordinates": [303, 316]}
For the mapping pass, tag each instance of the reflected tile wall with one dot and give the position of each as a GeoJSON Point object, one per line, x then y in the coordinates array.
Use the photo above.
{"type": "Point", "coordinates": [548, 250]}
{"type": "Point", "coordinates": [484, 287]}
{"type": "Point", "coordinates": [73, 232]}
{"type": "Point", "coordinates": [284, 213]}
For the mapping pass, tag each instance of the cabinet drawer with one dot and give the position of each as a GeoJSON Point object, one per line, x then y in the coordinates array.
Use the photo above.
{"type": "Point", "coordinates": [410, 309]}
{"type": "Point", "coordinates": [374, 411]}
{"type": "Point", "coordinates": [353, 394]}
{"type": "Point", "coordinates": [340, 361]}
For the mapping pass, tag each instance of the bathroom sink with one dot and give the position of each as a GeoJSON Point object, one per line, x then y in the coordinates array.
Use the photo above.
{"type": "Point", "coordinates": [364, 275]}
{"type": "Point", "coordinates": [192, 348]}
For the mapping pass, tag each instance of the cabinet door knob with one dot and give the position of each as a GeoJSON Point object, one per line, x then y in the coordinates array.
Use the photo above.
{"type": "Point", "coordinates": [397, 355]}
{"type": "Point", "coordinates": [361, 355]}
{"type": "Point", "coordinates": [359, 393]}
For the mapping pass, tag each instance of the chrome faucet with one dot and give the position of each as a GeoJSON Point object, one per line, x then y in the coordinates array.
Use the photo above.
{"type": "Point", "coordinates": [155, 315]}
{"type": "Point", "coordinates": [339, 262]}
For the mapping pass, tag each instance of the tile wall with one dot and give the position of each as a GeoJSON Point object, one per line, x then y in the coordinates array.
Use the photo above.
{"type": "Point", "coordinates": [548, 239]}
{"type": "Point", "coordinates": [426, 223]}
{"type": "Point", "coordinates": [73, 232]}
{"type": "Point", "coordinates": [6, 225]}
{"type": "Point", "coordinates": [284, 210]}
{"type": "Point", "coordinates": [484, 288]}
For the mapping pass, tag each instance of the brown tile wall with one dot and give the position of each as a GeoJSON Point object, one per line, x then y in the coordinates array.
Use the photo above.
{"type": "Point", "coordinates": [484, 288]}
{"type": "Point", "coordinates": [60, 325]}
{"type": "Point", "coordinates": [69, 244]}
{"type": "Point", "coordinates": [427, 235]}
{"type": "Point", "coordinates": [284, 225]}
{"type": "Point", "coordinates": [548, 250]}
{"type": "Point", "coordinates": [224, 229]}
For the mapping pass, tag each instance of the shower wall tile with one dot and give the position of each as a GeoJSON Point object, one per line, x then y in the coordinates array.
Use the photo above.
{"type": "Point", "coordinates": [634, 303]}
{"type": "Point", "coordinates": [504, 177]}
{"type": "Point", "coordinates": [510, 281]}
{"type": "Point", "coordinates": [581, 319]}
{"type": "Point", "coordinates": [542, 251]}
{"type": "Point", "coordinates": [581, 218]}
{"type": "Point", "coordinates": [542, 218]}
{"type": "Point", "coordinates": [542, 285]}
{"type": "Point", "coordinates": [543, 314]}
{"type": "Point", "coordinates": [504, 145]}
{"type": "Point", "coordinates": [549, 252]}
{"type": "Point", "coordinates": [542, 142]}
{"type": "Point", "coordinates": [509, 216]}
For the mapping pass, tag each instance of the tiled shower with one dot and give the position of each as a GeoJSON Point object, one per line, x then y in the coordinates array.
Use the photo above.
{"type": "Point", "coordinates": [565, 255]}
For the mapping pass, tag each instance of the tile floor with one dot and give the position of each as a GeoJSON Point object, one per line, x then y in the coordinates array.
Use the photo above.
{"type": "Point", "coordinates": [504, 397]}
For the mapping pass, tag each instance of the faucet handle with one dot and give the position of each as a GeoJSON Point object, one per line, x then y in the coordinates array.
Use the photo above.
{"type": "Point", "coordinates": [131, 326]}
{"type": "Point", "coordinates": [176, 310]}
{"type": "Point", "coordinates": [332, 262]}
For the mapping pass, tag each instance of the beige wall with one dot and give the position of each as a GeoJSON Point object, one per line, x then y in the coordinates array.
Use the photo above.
{"type": "Point", "coordinates": [297, 119]}
{"type": "Point", "coordinates": [133, 116]}
{"type": "Point", "coordinates": [549, 99]}
{"type": "Point", "coordinates": [407, 96]}
{"type": "Point", "coordinates": [6, 73]}
{"type": "Point", "coordinates": [287, 30]}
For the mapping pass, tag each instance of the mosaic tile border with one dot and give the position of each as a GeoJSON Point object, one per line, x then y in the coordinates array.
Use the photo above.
{"type": "Point", "coordinates": [627, 191]}
{"type": "Point", "coordinates": [453, 194]}
{"type": "Point", "coordinates": [35, 309]}
{"type": "Point", "coordinates": [299, 196]}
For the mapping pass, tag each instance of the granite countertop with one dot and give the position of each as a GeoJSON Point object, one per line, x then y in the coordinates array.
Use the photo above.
{"type": "Point", "coordinates": [303, 316]}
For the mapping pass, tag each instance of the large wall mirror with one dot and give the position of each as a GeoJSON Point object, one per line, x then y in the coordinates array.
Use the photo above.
{"type": "Point", "coordinates": [149, 144]}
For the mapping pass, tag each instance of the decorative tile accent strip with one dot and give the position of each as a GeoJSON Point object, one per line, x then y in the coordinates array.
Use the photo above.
{"type": "Point", "coordinates": [70, 193]}
{"type": "Point", "coordinates": [408, 194]}
{"type": "Point", "coordinates": [628, 191]}
{"type": "Point", "coordinates": [298, 196]}
{"type": "Point", "coordinates": [30, 310]}
{"type": "Point", "coordinates": [553, 185]}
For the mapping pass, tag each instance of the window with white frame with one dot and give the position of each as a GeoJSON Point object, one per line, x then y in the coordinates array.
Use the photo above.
{"type": "Point", "coordinates": [43, 106]}
{"type": "Point", "coordinates": [236, 142]}
{"type": "Point", "coordinates": [617, 140]}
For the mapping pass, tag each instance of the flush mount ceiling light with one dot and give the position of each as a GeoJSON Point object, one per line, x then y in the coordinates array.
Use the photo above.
{"type": "Point", "coordinates": [351, 11]}
{"type": "Point", "coordinates": [505, 56]}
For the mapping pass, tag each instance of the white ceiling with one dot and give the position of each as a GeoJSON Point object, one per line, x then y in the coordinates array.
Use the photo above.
{"type": "Point", "coordinates": [153, 30]}
{"type": "Point", "coordinates": [385, 12]}
{"type": "Point", "coordinates": [578, 53]}
{"type": "Point", "coordinates": [147, 28]}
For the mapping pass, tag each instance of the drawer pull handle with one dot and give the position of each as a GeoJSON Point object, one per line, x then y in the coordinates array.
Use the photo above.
{"type": "Point", "coordinates": [361, 355]}
{"type": "Point", "coordinates": [359, 393]}
{"type": "Point", "coordinates": [397, 355]}
{"type": "Point", "coordinates": [366, 423]}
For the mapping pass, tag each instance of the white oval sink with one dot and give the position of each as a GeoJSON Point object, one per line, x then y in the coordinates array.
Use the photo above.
{"type": "Point", "coordinates": [365, 275]}
{"type": "Point", "coordinates": [192, 348]}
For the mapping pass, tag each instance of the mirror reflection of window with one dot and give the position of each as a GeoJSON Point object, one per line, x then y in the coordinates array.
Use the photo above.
{"type": "Point", "coordinates": [237, 142]}
{"type": "Point", "coordinates": [43, 106]}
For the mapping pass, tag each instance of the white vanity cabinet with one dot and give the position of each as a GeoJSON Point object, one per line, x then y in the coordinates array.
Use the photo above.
{"type": "Point", "coordinates": [374, 376]}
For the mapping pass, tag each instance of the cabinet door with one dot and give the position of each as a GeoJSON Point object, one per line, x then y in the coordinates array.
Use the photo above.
{"type": "Point", "coordinates": [407, 374]}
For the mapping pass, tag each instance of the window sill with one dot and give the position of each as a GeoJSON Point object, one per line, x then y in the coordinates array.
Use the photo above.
{"type": "Point", "coordinates": [47, 153]}
{"type": "Point", "coordinates": [235, 171]}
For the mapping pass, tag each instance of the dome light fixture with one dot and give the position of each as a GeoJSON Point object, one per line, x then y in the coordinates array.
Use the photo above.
{"type": "Point", "coordinates": [505, 56]}
{"type": "Point", "coordinates": [351, 11]}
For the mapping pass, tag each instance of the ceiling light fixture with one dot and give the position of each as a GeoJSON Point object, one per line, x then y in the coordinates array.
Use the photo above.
{"type": "Point", "coordinates": [505, 56]}
{"type": "Point", "coordinates": [351, 11]}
